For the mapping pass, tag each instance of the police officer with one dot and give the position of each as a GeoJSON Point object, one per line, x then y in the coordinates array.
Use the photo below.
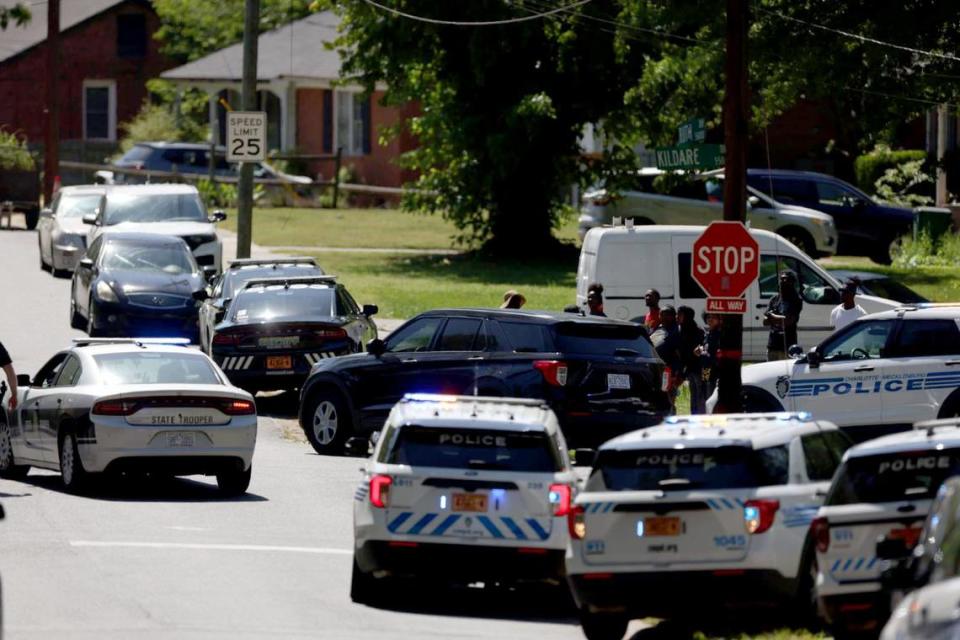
{"type": "Point", "coordinates": [7, 365]}
{"type": "Point", "coordinates": [782, 316]}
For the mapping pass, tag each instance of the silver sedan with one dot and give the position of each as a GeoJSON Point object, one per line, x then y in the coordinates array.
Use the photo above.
{"type": "Point", "coordinates": [61, 233]}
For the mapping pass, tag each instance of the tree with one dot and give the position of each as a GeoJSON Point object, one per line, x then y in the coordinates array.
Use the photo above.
{"type": "Point", "coordinates": [18, 14]}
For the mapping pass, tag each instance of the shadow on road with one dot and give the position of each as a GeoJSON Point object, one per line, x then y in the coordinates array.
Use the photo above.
{"type": "Point", "coordinates": [733, 623]}
{"type": "Point", "coordinates": [127, 488]}
{"type": "Point", "coordinates": [283, 404]}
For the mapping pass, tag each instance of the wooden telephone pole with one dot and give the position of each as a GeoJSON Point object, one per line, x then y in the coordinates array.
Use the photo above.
{"type": "Point", "coordinates": [251, 31]}
{"type": "Point", "coordinates": [736, 132]}
{"type": "Point", "coordinates": [51, 139]}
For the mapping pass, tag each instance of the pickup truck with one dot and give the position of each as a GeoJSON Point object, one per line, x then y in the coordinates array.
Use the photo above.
{"type": "Point", "coordinates": [22, 188]}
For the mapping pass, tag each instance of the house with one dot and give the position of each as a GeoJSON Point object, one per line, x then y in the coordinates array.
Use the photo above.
{"type": "Point", "coordinates": [107, 54]}
{"type": "Point", "coordinates": [309, 110]}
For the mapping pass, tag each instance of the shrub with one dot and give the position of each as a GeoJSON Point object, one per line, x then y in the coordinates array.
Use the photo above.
{"type": "Point", "coordinates": [900, 185]}
{"type": "Point", "coordinates": [218, 194]}
{"type": "Point", "coordinates": [14, 154]}
{"type": "Point", "coordinates": [870, 167]}
{"type": "Point", "coordinates": [925, 251]}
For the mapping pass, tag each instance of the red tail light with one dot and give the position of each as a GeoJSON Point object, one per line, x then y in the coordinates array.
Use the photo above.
{"type": "Point", "coordinates": [239, 407]}
{"type": "Point", "coordinates": [601, 199]}
{"type": "Point", "coordinates": [576, 523]}
{"type": "Point", "coordinates": [380, 491]}
{"type": "Point", "coordinates": [820, 532]}
{"type": "Point", "coordinates": [554, 371]}
{"type": "Point", "coordinates": [226, 339]}
{"type": "Point", "coordinates": [114, 407]}
{"type": "Point", "coordinates": [331, 334]}
{"type": "Point", "coordinates": [758, 515]}
{"type": "Point", "coordinates": [559, 496]}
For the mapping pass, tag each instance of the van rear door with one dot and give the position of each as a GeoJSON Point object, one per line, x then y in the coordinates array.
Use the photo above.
{"type": "Point", "coordinates": [627, 265]}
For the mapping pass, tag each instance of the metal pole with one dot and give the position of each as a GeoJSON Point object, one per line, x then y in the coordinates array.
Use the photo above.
{"type": "Point", "coordinates": [943, 119]}
{"type": "Point", "coordinates": [251, 24]}
{"type": "Point", "coordinates": [51, 142]}
{"type": "Point", "coordinates": [736, 123]}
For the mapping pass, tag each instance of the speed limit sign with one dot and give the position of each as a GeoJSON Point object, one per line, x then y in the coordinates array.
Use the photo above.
{"type": "Point", "coordinates": [246, 136]}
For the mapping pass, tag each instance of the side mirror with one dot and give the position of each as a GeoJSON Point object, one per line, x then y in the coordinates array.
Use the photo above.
{"type": "Point", "coordinates": [370, 310]}
{"type": "Point", "coordinates": [795, 351]}
{"type": "Point", "coordinates": [357, 447]}
{"type": "Point", "coordinates": [752, 201]}
{"type": "Point", "coordinates": [375, 437]}
{"type": "Point", "coordinates": [892, 549]}
{"type": "Point", "coordinates": [583, 457]}
{"type": "Point", "coordinates": [376, 347]}
{"type": "Point", "coordinates": [813, 357]}
{"type": "Point", "coordinates": [23, 380]}
{"type": "Point", "coordinates": [217, 216]}
{"type": "Point", "coordinates": [200, 295]}
{"type": "Point", "coordinates": [209, 272]}
{"type": "Point", "coordinates": [90, 218]}
{"type": "Point", "coordinates": [46, 213]}
{"type": "Point", "coordinates": [85, 263]}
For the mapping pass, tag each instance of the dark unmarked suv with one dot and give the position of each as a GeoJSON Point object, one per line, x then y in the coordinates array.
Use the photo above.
{"type": "Point", "coordinates": [601, 376]}
{"type": "Point", "coordinates": [866, 227]}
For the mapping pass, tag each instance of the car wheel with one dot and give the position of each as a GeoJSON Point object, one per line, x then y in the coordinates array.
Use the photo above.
{"type": "Point", "coordinates": [758, 401]}
{"type": "Point", "coordinates": [76, 320]}
{"type": "Point", "coordinates": [327, 422]}
{"type": "Point", "coordinates": [801, 239]}
{"type": "Point", "coordinates": [363, 586]}
{"type": "Point", "coordinates": [31, 217]}
{"type": "Point", "coordinates": [603, 626]}
{"type": "Point", "coordinates": [92, 330]}
{"type": "Point", "coordinates": [8, 469]}
{"type": "Point", "coordinates": [72, 473]}
{"type": "Point", "coordinates": [887, 251]}
{"type": "Point", "coordinates": [234, 483]}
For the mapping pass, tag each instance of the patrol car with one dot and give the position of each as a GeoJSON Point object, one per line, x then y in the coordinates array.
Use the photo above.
{"type": "Point", "coordinates": [462, 489]}
{"type": "Point", "coordinates": [878, 375]}
{"type": "Point", "coordinates": [883, 490]}
{"type": "Point", "coordinates": [701, 509]}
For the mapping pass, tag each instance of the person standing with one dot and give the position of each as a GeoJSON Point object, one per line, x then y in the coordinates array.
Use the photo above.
{"type": "Point", "coordinates": [848, 310]}
{"type": "Point", "coordinates": [666, 341]}
{"type": "Point", "coordinates": [707, 351]}
{"type": "Point", "coordinates": [691, 336]}
{"type": "Point", "coordinates": [595, 299]}
{"type": "Point", "coordinates": [783, 316]}
{"type": "Point", "coordinates": [7, 365]}
{"type": "Point", "coordinates": [652, 300]}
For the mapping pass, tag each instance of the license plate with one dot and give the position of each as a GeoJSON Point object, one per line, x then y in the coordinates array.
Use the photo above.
{"type": "Point", "coordinates": [180, 439]}
{"type": "Point", "coordinates": [618, 380]}
{"type": "Point", "coordinates": [661, 526]}
{"type": "Point", "coordinates": [469, 502]}
{"type": "Point", "coordinates": [279, 342]}
{"type": "Point", "coordinates": [279, 362]}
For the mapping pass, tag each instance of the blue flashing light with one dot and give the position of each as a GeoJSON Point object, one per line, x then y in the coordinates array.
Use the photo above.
{"type": "Point", "coordinates": [751, 513]}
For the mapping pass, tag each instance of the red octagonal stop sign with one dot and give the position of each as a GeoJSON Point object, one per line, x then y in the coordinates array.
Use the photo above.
{"type": "Point", "coordinates": [726, 259]}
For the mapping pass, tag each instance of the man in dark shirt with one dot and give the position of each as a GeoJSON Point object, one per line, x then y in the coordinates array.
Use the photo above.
{"type": "Point", "coordinates": [7, 365]}
{"type": "Point", "coordinates": [666, 340]}
{"type": "Point", "coordinates": [783, 316]}
{"type": "Point", "coordinates": [595, 299]}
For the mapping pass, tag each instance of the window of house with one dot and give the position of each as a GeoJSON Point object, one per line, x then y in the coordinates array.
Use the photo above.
{"type": "Point", "coordinates": [99, 110]}
{"type": "Point", "coordinates": [132, 36]}
{"type": "Point", "coordinates": [353, 123]}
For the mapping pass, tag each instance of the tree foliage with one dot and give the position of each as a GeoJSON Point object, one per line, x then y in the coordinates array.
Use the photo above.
{"type": "Point", "coordinates": [17, 14]}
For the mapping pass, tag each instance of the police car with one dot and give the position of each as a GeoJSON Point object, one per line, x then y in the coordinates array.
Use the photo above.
{"type": "Point", "coordinates": [878, 375]}
{"type": "Point", "coordinates": [463, 489]}
{"type": "Point", "coordinates": [699, 509]}
{"type": "Point", "coordinates": [882, 491]}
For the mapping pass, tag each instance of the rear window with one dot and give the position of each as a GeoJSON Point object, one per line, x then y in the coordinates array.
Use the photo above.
{"type": "Point", "coordinates": [527, 338]}
{"type": "Point", "coordinates": [603, 340]}
{"type": "Point", "coordinates": [689, 469]}
{"type": "Point", "coordinates": [893, 477]}
{"type": "Point", "coordinates": [155, 368]}
{"type": "Point", "coordinates": [276, 303]}
{"type": "Point", "coordinates": [474, 449]}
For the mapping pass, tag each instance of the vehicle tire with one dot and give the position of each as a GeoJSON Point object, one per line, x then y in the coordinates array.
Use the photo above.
{"type": "Point", "coordinates": [887, 250]}
{"type": "Point", "coordinates": [32, 217]}
{"type": "Point", "coordinates": [75, 478]}
{"type": "Point", "coordinates": [799, 237]}
{"type": "Point", "coordinates": [92, 330]}
{"type": "Point", "coordinates": [327, 422]}
{"type": "Point", "coordinates": [76, 320]}
{"type": "Point", "coordinates": [804, 605]}
{"type": "Point", "coordinates": [951, 406]}
{"type": "Point", "coordinates": [759, 401]}
{"type": "Point", "coordinates": [603, 626]}
{"type": "Point", "coordinates": [8, 469]}
{"type": "Point", "coordinates": [363, 586]}
{"type": "Point", "coordinates": [234, 483]}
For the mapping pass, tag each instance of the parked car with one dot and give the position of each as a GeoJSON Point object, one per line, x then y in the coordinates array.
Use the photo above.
{"type": "Point", "coordinates": [930, 613]}
{"type": "Point", "coordinates": [879, 285]}
{"type": "Point", "coordinates": [168, 209]}
{"type": "Point", "coordinates": [661, 198]}
{"type": "Point", "coordinates": [601, 376]}
{"type": "Point", "coordinates": [61, 232]}
{"type": "Point", "coordinates": [866, 227]}
{"type": "Point", "coordinates": [137, 284]}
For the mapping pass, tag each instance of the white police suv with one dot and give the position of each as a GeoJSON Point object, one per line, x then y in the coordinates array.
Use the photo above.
{"type": "Point", "coordinates": [701, 509]}
{"type": "Point", "coordinates": [878, 375]}
{"type": "Point", "coordinates": [463, 489]}
{"type": "Point", "coordinates": [883, 490]}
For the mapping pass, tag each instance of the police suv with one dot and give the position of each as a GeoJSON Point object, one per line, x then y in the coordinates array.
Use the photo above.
{"type": "Point", "coordinates": [882, 491]}
{"type": "Point", "coordinates": [878, 375]}
{"type": "Point", "coordinates": [699, 509]}
{"type": "Point", "coordinates": [463, 489]}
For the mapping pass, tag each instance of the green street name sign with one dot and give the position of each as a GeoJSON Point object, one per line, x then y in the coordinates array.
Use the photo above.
{"type": "Point", "coordinates": [703, 157]}
{"type": "Point", "coordinates": [692, 132]}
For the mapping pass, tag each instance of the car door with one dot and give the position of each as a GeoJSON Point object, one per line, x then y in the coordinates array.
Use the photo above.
{"type": "Point", "coordinates": [84, 275]}
{"type": "Point", "coordinates": [38, 405]}
{"type": "Point", "coordinates": [847, 208]}
{"type": "Point", "coordinates": [45, 230]}
{"type": "Point", "coordinates": [846, 386]}
{"type": "Point", "coordinates": [210, 311]}
{"type": "Point", "coordinates": [453, 365]}
{"type": "Point", "coordinates": [54, 406]}
{"type": "Point", "coordinates": [926, 353]}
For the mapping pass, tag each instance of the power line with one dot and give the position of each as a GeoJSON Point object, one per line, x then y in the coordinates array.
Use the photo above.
{"type": "Point", "coordinates": [478, 23]}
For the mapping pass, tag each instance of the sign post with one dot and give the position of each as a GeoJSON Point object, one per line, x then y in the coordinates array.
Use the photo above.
{"type": "Point", "coordinates": [246, 136]}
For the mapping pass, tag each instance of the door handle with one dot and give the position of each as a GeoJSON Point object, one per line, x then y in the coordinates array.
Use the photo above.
{"type": "Point", "coordinates": [409, 360]}
{"type": "Point", "coordinates": [865, 367]}
{"type": "Point", "coordinates": [59, 400]}
{"type": "Point", "coordinates": [475, 358]}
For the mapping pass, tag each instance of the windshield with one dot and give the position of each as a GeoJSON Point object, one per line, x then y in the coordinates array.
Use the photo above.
{"type": "Point", "coordinates": [890, 477]}
{"type": "Point", "coordinates": [602, 340]}
{"type": "Point", "coordinates": [77, 206]}
{"type": "Point", "coordinates": [154, 207]}
{"type": "Point", "coordinates": [297, 302]}
{"type": "Point", "coordinates": [174, 259]}
{"type": "Point", "coordinates": [729, 467]}
{"type": "Point", "coordinates": [155, 368]}
{"type": "Point", "coordinates": [474, 449]}
{"type": "Point", "coordinates": [892, 290]}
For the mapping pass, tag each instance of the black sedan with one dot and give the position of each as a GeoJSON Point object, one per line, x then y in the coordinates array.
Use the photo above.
{"type": "Point", "coordinates": [277, 329]}
{"type": "Point", "coordinates": [601, 376]}
{"type": "Point", "coordinates": [877, 284]}
{"type": "Point", "coordinates": [137, 284]}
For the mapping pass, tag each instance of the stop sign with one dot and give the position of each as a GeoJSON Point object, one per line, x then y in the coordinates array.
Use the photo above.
{"type": "Point", "coordinates": [726, 259]}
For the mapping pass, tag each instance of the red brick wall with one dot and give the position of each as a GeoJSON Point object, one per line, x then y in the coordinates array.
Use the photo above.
{"type": "Point", "coordinates": [88, 52]}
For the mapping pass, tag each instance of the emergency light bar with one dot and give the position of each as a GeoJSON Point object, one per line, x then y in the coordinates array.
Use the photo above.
{"type": "Point", "coordinates": [727, 418]}
{"type": "Point", "coordinates": [86, 342]}
{"type": "Point", "coordinates": [269, 262]}
{"type": "Point", "coordinates": [286, 282]}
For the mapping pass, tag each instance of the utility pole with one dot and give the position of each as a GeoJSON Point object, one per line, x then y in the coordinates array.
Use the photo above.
{"type": "Point", "coordinates": [51, 140]}
{"type": "Point", "coordinates": [943, 120]}
{"type": "Point", "coordinates": [251, 27]}
{"type": "Point", "coordinates": [735, 134]}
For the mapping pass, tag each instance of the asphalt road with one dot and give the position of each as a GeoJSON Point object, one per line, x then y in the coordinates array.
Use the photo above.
{"type": "Point", "coordinates": [172, 560]}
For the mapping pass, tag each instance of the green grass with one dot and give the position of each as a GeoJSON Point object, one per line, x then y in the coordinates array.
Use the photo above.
{"type": "Point", "coordinates": [939, 284]}
{"type": "Point", "coordinates": [378, 228]}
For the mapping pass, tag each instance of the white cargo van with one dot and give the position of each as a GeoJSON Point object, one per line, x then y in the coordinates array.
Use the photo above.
{"type": "Point", "coordinates": [628, 260]}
